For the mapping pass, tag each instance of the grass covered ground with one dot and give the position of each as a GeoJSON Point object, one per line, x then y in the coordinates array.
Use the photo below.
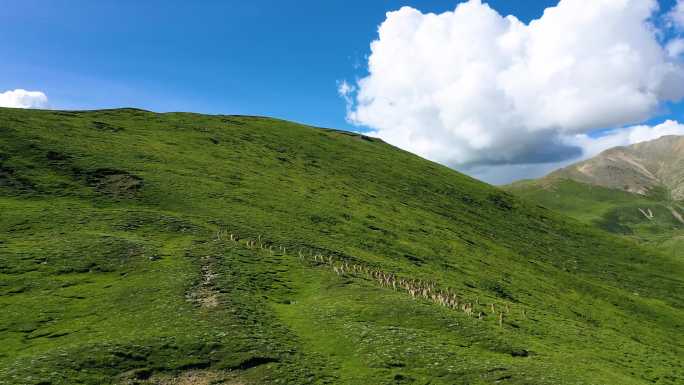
{"type": "Point", "coordinates": [117, 267]}
{"type": "Point", "coordinates": [655, 221]}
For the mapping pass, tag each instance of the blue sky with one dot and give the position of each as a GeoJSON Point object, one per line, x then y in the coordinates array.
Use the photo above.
{"type": "Point", "coordinates": [274, 58]}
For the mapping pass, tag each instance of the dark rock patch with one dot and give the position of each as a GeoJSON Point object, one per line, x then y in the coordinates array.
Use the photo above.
{"type": "Point", "coordinates": [356, 136]}
{"type": "Point", "coordinates": [502, 201]}
{"type": "Point", "coordinates": [233, 122]}
{"type": "Point", "coordinates": [55, 156]}
{"type": "Point", "coordinates": [142, 374]}
{"type": "Point", "coordinates": [14, 182]}
{"type": "Point", "coordinates": [68, 114]}
{"type": "Point", "coordinates": [403, 379]}
{"type": "Point", "coordinates": [117, 183]}
{"type": "Point", "coordinates": [102, 126]}
{"type": "Point", "coordinates": [396, 364]}
{"type": "Point", "coordinates": [414, 259]}
{"type": "Point", "coordinates": [195, 365]}
{"type": "Point", "coordinates": [520, 353]}
{"type": "Point", "coordinates": [255, 361]}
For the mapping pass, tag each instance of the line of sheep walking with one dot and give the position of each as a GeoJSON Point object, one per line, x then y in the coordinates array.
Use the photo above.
{"type": "Point", "coordinates": [417, 289]}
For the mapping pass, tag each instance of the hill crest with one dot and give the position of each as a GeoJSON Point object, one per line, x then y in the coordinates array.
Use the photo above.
{"type": "Point", "coordinates": [135, 246]}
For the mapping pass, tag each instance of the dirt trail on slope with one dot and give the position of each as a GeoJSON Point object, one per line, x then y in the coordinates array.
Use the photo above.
{"type": "Point", "coordinates": [205, 293]}
{"type": "Point", "coordinates": [198, 378]}
{"type": "Point", "coordinates": [192, 377]}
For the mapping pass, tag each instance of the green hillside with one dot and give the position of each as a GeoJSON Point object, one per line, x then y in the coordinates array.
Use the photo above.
{"type": "Point", "coordinates": [143, 248]}
{"type": "Point", "coordinates": [654, 220]}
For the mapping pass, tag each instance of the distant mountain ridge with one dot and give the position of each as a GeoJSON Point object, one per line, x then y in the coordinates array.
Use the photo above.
{"type": "Point", "coordinates": [639, 168]}
{"type": "Point", "coordinates": [635, 191]}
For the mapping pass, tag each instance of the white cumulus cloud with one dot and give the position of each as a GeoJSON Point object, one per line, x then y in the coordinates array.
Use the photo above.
{"type": "Point", "coordinates": [675, 47]}
{"type": "Point", "coordinates": [471, 87]}
{"type": "Point", "coordinates": [627, 136]}
{"type": "Point", "coordinates": [676, 15]}
{"type": "Point", "coordinates": [23, 99]}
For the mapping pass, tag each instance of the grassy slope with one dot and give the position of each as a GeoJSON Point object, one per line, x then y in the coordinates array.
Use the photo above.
{"type": "Point", "coordinates": [612, 210]}
{"type": "Point", "coordinates": [107, 234]}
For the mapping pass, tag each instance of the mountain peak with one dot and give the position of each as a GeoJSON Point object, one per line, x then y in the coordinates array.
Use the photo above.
{"type": "Point", "coordinates": [639, 168]}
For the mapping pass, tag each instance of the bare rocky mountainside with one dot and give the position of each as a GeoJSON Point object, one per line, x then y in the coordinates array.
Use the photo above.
{"type": "Point", "coordinates": [639, 168]}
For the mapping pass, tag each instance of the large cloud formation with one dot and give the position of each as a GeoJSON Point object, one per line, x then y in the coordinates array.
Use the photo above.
{"type": "Point", "coordinates": [470, 87]}
{"type": "Point", "coordinates": [23, 99]}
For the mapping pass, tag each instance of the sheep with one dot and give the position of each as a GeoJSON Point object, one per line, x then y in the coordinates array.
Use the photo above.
{"type": "Point", "coordinates": [415, 288]}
